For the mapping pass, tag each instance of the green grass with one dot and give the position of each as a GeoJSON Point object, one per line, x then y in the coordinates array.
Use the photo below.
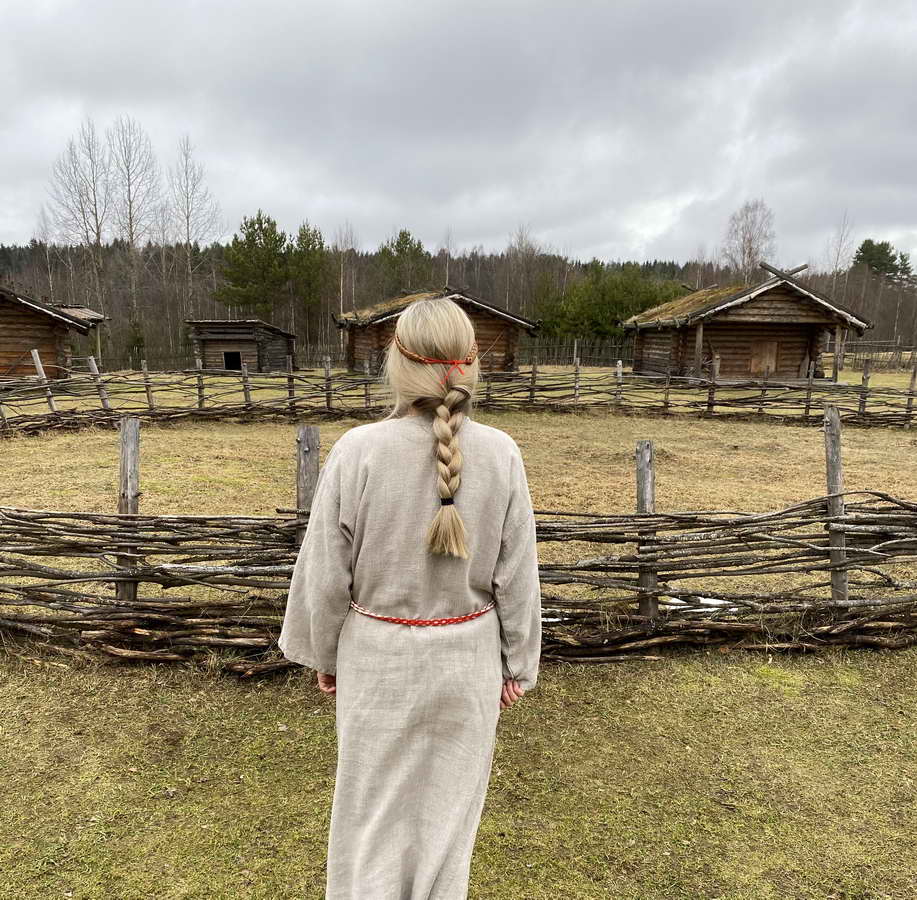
{"type": "Point", "coordinates": [729, 775]}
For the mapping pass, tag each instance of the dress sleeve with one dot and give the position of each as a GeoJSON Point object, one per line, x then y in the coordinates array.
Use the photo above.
{"type": "Point", "coordinates": [320, 588]}
{"type": "Point", "coordinates": [516, 586]}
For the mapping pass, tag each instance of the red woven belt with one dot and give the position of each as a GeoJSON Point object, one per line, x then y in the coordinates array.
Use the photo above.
{"type": "Point", "coordinates": [446, 621]}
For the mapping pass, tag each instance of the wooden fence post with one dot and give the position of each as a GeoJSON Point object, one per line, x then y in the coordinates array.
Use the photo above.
{"type": "Point", "coordinates": [533, 378]}
{"type": "Point", "coordinates": [836, 505]}
{"type": "Point", "coordinates": [3, 420]}
{"type": "Point", "coordinates": [307, 447]}
{"type": "Point", "coordinates": [810, 377]}
{"type": "Point", "coordinates": [328, 399]}
{"type": "Point", "coordinates": [619, 379]}
{"type": "Point", "coordinates": [246, 385]}
{"type": "Point", "coordinates": [199, 365]}
{"type": "Point", "coordinates": [94, 372]}
{"type": "Point", "coordinates": [576, 379]}
{"type": "Point", "coordinates": [291, 386]}
{"type": "Point", "coordinates": [147, 385]}
{"type": "Point", "coordinates": [711, 389]}
{"type": "Point", "coordinates": [761, 403]}
{"type": "Point", "coordinates": [648, 579]}
{"type": "Point", "coordinates": [128, 494]}
{"type": "Point", "coordinates": [367, 385]}
{"type": "Point", "coordinates": [864, 389]}
{"type": "Point", "coordinates": [912, 387]}
{"type": "Point", "coordinates": [43, 379]}
{"type": "Point", "coordinates": [668, 388]}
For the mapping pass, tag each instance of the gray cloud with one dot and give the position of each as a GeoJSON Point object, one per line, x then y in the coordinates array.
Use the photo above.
{"type": "Point", "coordinates": [616, 130]}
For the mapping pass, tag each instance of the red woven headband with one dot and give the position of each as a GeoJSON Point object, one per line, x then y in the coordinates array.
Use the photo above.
{"type": "Point", "coordinates": [452, 363]}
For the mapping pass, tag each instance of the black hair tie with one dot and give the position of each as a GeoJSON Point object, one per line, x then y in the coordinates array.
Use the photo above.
{"type": "Point", "coordinates": [447, 501]}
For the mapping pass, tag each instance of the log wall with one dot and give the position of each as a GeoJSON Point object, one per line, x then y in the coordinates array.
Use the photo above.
{"type": "Point", "coordinates": [497, 342]}
{"type": "Point", "coordinates": [22, 330]}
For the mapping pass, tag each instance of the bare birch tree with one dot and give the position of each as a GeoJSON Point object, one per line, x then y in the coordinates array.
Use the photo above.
{"type": "Point", "coordinates": [840, 250]}
{"type": "Point", "coordinates": [137, 183]}
{"type": "Point", "coordinates": [80, 194]}
{"type": "Point", "coordinates": [750, 238]}
{"type": "Point", "coordinates": [44, 234]}
{"type": "Point", "coordinates": [196, 211]}
{"type": "Point", "coordinates": [448, 248]}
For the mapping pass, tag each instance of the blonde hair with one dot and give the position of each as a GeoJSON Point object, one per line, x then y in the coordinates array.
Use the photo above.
{"type": "Point", "coordinates": [440, 329]}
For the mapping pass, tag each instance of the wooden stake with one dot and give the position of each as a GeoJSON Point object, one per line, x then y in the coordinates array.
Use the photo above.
{"type": "Point", "coordinates": [533, 378]}
{"type": "Point", "coordinates": [246, 385]}
{"type": "Point", "coordinates": [767, 371]}
{"type": "Point", "coordinates": [711, 390]}
{"type": "Point", "coordinates": [576, 379]}
{"type": "Point", "coordinates": [668, 388]}
{"type": "Point", "coordinates": [864, 389]}
{"type": "Point", "coordinates": [307, 447]}
{"type": "Point", "coordinates": [147, 385]}
{"type": "Point", "coordinates": [619, 378]}
{"type": "Point", "coordinates": [836, 505]}
{"type": "Point", "coordinates": [838, 363]}
{"type": "Point", "coordinates": [810, 377]}
{"type": "Point", "coordinates": [911, 388]}
{"type": "Point", "coordinates": [43, 379]}
{"type": "Point", "coordinates": [94, 372]}
{"type": "Point", "coordinates": [328, 397]}
{"type": "Point", "coordinates": [129, 494]}
{"type": "Point", "coordinates": [199, 365]}
{"type": "Point", "coordinates": [367, 385]}
{"type": "Point", "coordinates": [291, 386]}
{"type": "Point", "coordinates": [646, 503]}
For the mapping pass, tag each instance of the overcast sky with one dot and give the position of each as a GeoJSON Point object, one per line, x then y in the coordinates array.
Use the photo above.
{"type": "Point", "coordinates": [625, 129]}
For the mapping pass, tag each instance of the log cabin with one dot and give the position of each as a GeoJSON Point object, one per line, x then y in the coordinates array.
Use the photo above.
{"type": "Point", "coordinates": [779, 327]}
{"type": "Point", "coordinates": [227, 343]}
{"type": "Point", "coordinates": [370, 330]}
{"type": "Point", "coordinates": [27, 324]}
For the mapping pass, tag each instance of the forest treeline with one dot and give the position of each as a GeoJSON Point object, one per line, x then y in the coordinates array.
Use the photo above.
{"type": "Point", "coordinates": [124, 238]}
{"type": "Point", "coordinates": [305, 280]}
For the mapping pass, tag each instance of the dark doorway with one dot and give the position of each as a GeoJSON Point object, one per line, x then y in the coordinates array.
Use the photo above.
{"type": "Point", "coordinates": [232, 359]}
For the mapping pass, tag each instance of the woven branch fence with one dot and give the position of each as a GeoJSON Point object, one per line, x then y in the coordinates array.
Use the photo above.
{"type": "Point", "coordinates": [840, 569]}
{"type": "Point", "coordinates": [39, 405]}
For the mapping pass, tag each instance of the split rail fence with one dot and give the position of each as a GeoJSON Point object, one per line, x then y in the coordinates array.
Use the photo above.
{"type": "Point", "coordinates": [37, 405]}
{"type": "Point", "coordinates": [840, 569]}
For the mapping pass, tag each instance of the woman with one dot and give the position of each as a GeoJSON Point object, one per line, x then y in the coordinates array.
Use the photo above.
{"type": "Point", "coordinates": [416, 598]}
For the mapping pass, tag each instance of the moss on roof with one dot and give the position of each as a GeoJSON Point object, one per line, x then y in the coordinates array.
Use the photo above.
{"type": "Point", "coordinates": [385, 307]}
{"type": "Point", "coordinates": [687, 305]}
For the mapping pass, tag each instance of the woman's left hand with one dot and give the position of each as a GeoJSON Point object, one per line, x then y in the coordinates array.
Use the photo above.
{"type": "Point", "coordinates": [327, 683]}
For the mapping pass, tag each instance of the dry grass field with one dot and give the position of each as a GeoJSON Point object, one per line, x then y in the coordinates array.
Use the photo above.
{"type": "Point", "coordinates": [710, 775]}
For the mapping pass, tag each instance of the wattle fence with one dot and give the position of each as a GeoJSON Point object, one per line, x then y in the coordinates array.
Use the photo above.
{"type": "Point", "coordinates": [81, 400]}
{"type": "Point", "coordinates": [840, 569]}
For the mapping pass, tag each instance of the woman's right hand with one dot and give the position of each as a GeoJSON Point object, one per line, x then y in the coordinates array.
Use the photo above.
{"type": "Point", "coordinates": [511, 693]}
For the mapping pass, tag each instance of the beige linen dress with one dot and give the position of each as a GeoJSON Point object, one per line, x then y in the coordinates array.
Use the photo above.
{"type": "Point", "coordinates": [416, 705]}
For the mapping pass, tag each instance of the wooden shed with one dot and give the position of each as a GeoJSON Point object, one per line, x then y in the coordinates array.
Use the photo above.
{"type": "Point", "coordinates": [27, 324]}
{"type": "Point", "coordinates": [370, 330]}
{"type": "Point", "coordinates": [779, 326]}
{"type": "Point", "coordinates": [227, 343]}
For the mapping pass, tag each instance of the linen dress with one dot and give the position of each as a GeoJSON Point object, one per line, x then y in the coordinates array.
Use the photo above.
{"type": "Point", "coordinates": [416, 705]}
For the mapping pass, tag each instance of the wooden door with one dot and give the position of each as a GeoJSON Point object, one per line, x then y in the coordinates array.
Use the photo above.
{"type": "Point", "coordinates": [763, 356]}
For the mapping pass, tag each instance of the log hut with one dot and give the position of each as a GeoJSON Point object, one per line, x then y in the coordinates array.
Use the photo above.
{"type": "Point", "coordinates": [27, 324]}
{"type": "Point", "coordinates": [370, 330]}
{"type": "Point", "coordinates": [777, 327]}
{"type": "Point", "coordinates": [227, 343]}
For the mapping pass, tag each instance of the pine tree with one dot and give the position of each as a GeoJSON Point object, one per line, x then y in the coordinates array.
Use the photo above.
{"type": "Point", "coordinates": [880, 256]}
{"type": "Point", "coordinates": [256, 267]}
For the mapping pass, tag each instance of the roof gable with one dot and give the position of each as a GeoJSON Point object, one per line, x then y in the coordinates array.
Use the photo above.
{"type": "Point", "coordinates": [706, 303]}
{"type": "Point", "coordinates": [392, 308]}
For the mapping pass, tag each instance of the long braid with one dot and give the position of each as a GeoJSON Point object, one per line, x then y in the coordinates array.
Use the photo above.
{"type": "Point", "coordinates": [447, 530]}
